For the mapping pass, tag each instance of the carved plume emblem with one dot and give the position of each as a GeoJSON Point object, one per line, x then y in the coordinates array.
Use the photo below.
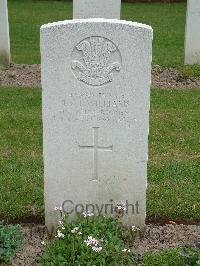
{"type": "Point", "coordinates": [96, 59]}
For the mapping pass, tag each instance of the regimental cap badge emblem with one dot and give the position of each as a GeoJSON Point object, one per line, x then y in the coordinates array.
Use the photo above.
{"type": "Point", "coordinates": [95, 61]}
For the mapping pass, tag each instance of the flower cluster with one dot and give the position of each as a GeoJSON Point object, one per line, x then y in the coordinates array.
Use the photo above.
{"type": "Point", "coordinates": [134, 228]}
{"type": "Point", "coordinates": [61, 224]}
{"type": "Point", "coordinates": [60, 234]}
{"type": "Point", "coordinates": [93, 243]}
{"type": "Point", "coordinates": [76, 231]}
{"type": "Point", "coordinates": [87, 214]}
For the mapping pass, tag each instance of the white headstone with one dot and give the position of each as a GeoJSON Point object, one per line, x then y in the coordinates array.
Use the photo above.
{"type": "Point", "coordinates": [192, 38]}
{"type": "Point", "coordinates": [4, 35]}
{"type": "Point", "coordinates": [96, 76]}
{"type": "Point", "coordinates": [96, 9]}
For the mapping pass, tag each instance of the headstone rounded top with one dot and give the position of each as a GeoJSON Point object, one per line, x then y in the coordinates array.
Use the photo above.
{"type": "Point", "coordinates": [96, 21]}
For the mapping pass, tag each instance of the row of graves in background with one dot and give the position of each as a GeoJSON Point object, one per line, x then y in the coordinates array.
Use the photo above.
{"type": "Point", "coordinates": [110, 9]}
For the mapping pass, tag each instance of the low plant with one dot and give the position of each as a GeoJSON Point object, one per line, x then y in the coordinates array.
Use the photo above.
{"type": "Point", "coordinates": [89, 240]}
{"type": "Point", "coordinates": [191, 256]}
{"type": "Point", "coordinates": [11, 238]}
{"type": "Point", "coordinates": [173, 257]}
{"type": "Point", "coordinates": [191, 71]}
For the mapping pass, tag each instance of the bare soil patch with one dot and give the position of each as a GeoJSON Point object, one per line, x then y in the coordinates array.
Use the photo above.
{"type": "Point", "coordinates": [173, 78]}
{"type": "Point", "coordinates": [156, 238]}
{"type": "Point", "coordinates": [168, 236]}
{"type": "Point", "coordinates": [21, 76]}
{"type": "Point", "coordinates": [30, 76]}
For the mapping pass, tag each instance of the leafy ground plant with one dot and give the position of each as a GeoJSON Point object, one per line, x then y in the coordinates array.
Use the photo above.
{"type": "Point", "coordinates": [89, 240]}
{"type": "Point", "coordinates": [100, 241]}
{"type": "Point", "coordinates": [11, 238]}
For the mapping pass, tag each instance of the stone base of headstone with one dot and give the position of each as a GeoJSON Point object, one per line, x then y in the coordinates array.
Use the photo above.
{"type": "Point", "coordinates": [4, 60]}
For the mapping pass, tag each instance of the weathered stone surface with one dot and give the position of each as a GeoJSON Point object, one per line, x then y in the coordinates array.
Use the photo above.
{"type": "Point", "coordinates": [192, 36]}
{"type": "Point", "coordinates": [96, 76]}
{"type": "Point", "coordinates": [4, 35]}
{"type": "Point", "coordinates": [96, 9]}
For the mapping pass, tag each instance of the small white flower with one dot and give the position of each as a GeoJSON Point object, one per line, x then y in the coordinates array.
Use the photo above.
{"type": "Point", "coordinates": [97, 249]}
{"type": "Point", "coordinates": [88, 214]}
{"type": "Point", "coordinates": [61, 224]}
{"type": "Point", "coordinates": [133, 228]}
{"type": "Point", "coordinates": [43, 243]}
{"type": "Point", "coordinates": [60, 234]}
{"type": "Point", "coordinates": [75, 230]}
{"type": "Point", "coordinates": [58, 208]}
{"type": "Point", "coordinates": [126, 250]}
{"type": "Point", "coordinates": [121, 207]}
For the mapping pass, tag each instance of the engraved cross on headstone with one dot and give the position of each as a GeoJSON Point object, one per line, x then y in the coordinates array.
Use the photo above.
{"type": "Point", "coordinates": [96, 149]}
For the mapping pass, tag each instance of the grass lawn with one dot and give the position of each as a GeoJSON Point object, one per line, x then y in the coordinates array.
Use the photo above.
{"type": "Point", "coordinates": [174, 161]}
